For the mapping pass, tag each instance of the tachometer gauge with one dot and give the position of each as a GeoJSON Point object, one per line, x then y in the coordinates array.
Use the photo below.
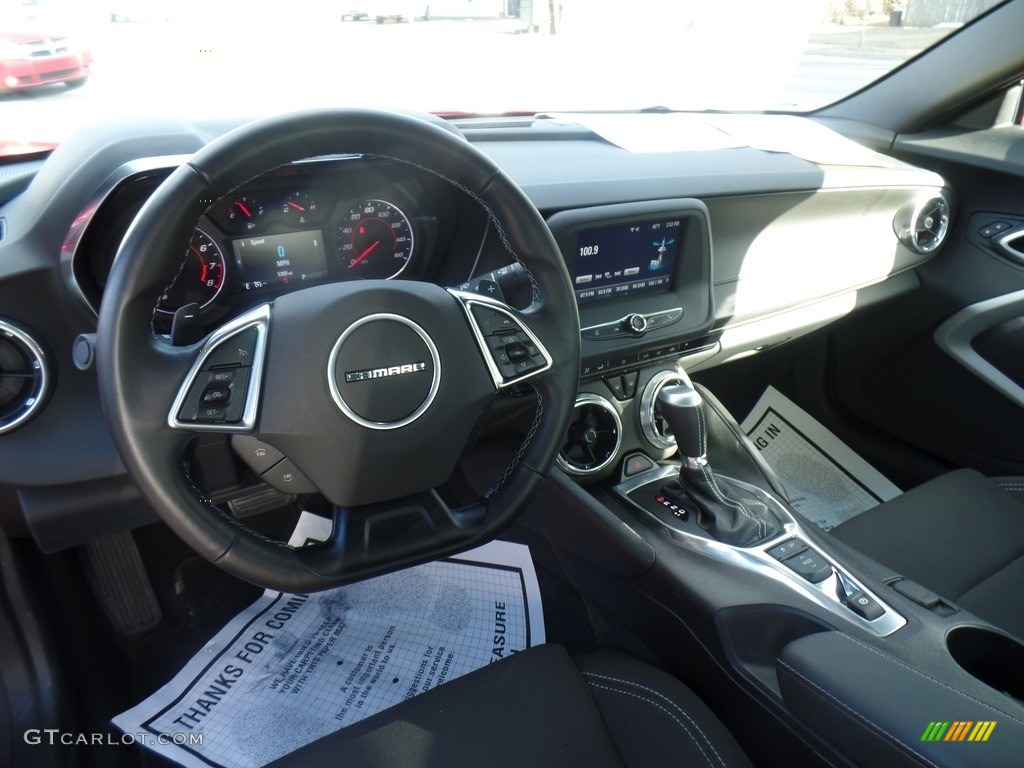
{"type": "Point", "coordinates": [244, 212]}
{"type": "Point", "coordinates": [200, 279]}
{"type": "Point", "coordinates": [376, 241]}
{"type": "Point", "coordinates": [299, 207]}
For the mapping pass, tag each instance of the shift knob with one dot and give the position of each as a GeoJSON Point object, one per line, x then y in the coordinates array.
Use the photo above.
{"type": "Point", "coordinates": [683, 408]}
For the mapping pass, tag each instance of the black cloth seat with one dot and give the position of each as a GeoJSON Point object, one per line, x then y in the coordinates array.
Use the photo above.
{"type": "Point", "coordinates": [537, 708]}
{"type": "Point", "coordinates": [960, 535]}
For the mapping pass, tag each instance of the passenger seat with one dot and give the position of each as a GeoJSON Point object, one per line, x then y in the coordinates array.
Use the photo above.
{"type": "Point", "coordinates": [960, 535]}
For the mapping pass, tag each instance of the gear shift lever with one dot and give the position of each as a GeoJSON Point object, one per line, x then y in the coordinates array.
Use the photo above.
{"type": "Point", "coordinates": [725, 514]}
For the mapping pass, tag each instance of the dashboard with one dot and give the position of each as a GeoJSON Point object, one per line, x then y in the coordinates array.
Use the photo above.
{"type": "Point", "coordinates": [687, 258]}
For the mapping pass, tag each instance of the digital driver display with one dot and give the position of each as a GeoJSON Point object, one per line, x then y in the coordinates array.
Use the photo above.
{"type": "Point", "coordinates": [626, 259]}
{"type": "Point", "coordinates": [295, 257]}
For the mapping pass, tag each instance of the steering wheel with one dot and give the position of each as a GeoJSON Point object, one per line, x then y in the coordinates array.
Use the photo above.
{"type": "Point", "coordinates": [371, 389]}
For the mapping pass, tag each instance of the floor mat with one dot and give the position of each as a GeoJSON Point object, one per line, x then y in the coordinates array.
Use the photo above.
{"type": "Point", "coordinates": [827, 482]}
{"type": "Point", "coordinates": [292, 668]}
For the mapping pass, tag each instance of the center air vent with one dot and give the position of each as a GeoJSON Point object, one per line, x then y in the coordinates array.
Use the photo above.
{"type": "Point", "coordinates": [654, 426]}
{"type": "Point", "coordinates": [594, 436]}
{"type": "Point", "coordinates": [922, 226]}
{"type": "Point", "coordinates": [24, 376]}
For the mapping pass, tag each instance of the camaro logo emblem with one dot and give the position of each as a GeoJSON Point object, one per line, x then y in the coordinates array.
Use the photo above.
{"type": "Point", "coordinates": [381, 373]}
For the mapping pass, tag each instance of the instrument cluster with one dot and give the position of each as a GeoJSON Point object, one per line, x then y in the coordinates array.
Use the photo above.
{"type": "Point", "coordinates": [297, 226]}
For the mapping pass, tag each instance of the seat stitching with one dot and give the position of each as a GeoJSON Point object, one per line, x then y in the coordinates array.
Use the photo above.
{"type": "Point", "coordinates": [929, 678]}
{"type": "Point", "coordinates": [654, 703]}
{"type": "Point", "coordinates": [667, 700]}
{"type": "Point", "coordinates": [855, 713]}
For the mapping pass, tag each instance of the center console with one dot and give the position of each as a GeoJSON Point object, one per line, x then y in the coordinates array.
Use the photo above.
{"type": "Point", "coordinates": [814, 630]}
{"type": "Point", "coordinates": [642, 277]}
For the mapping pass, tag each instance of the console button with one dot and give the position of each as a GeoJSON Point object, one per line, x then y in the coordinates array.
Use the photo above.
{"type": "Point", "coordinates": [914, 591]}
{"type": "Point", "coordinates": [637, 323]}
{"type": "Point", "coordinates": [621, 361]}
{"type": "Point", "coordinates": [629, 382]}
{"type": "Point", "coordinates": [672, 316]}
{"type": "Point", "coordinates": [810, 565]}
{"type": "Point", "coordinates": [864, 605]}
{"type": "Point", "coordinates": [636, 464]}
{"type": "Point", "coordinates": [616, 386]}
{"type": "Point", "coordinates": [787, 549]}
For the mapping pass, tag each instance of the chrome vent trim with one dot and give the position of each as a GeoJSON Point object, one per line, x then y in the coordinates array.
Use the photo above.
{"type": "Point", "coordinates": [654, 427]}
{"type": "Point", "coordinates": [581, 457]}
{"type": "Point", "coordinates": [923, 225]}
{"type": "Point", "coordinates": [25, 376]}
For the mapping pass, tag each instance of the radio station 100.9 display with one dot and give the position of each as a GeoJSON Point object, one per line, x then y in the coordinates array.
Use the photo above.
{"type": "Point", "coordinates": [626, 259]}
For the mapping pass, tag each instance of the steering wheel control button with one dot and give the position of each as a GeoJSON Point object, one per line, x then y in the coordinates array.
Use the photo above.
{"type": "Point", "coordinates": [216, 394]}
{"type": "Point", "coordinates": [787, 549]}
{"type": "Point", "coordinates": [493, 322]}
{"type": "Point", "coordinates": [810, 565]}
{"type": "Point", "coordinates": [220, 392]}
{"type": "Point", "coordinates": [384, 371]}
{"type": "Point", "coordinates": [258, 455]}
{"type": "Point", "coordinates": [233, 352]}
{"type": "Point", "coordinates": [513, 352]}
{"type": "Point", "coordinates": [211, 413]}
{"type": "Point", "coordinates": [864, 606]}
{"type": "Point", "coordinates": [285, 477]}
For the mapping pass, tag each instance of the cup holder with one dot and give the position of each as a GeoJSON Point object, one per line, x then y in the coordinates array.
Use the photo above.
{"type": "Point", "coordinates": [994, 658]}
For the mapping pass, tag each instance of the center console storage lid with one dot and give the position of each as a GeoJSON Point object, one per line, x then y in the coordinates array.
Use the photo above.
{"type": "Point", "coordinates": [879, 710]}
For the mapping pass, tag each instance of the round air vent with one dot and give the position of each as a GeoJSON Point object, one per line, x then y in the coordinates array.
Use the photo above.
{"type": "Point", "coordinates": [594, 436]}
{"type": "Point", "coordinates": [24, 376]}
{"type": "Point", "coordinates": [652, 423]}
{"type": "Point", "coordinates": [922, 226]}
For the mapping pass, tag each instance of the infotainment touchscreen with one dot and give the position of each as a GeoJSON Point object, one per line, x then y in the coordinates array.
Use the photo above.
{"type": "Point", "coordinates": [626, 259]}
{"type": "Point", "coordinates": [281, 259]}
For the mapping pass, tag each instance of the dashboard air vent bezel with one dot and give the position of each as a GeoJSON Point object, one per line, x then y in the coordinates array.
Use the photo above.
{"type": "Point", "coordinates": [34, 371]}
{"type": "Point", "coordinates": [924, 224]}
{"type": "Point", "coordinates": [599, 409]}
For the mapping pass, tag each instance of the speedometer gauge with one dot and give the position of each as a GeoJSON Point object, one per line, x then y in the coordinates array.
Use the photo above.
{"type": "Point", "coordinates": [376, 240]}
{"type": "Point", "coordinates": [201, 277]}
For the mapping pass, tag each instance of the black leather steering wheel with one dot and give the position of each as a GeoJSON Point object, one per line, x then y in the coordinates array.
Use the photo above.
{"type": "Point", "coordinates": [371, 388]}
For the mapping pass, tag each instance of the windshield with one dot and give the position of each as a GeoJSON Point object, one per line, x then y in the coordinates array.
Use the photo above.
{"type": "Point", "coordinates": [67, 62]}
